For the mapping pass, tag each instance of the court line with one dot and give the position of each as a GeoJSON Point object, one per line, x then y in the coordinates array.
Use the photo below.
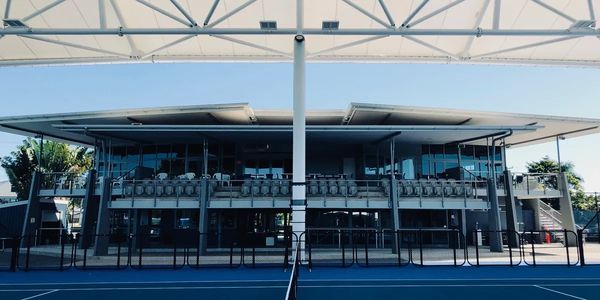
{"type": "Point", "coordinates": [39, 295]}
{"type": "Point", "coordinates": [558, 292]}
{"type": "Point", "coordinates": [149, 288]}
{"type": "Point", "coordinates": [285, 286]}
{"type": "Point", "coordinates": [303, 280]}
{"type": "Point", "coordinates": [436, 285]}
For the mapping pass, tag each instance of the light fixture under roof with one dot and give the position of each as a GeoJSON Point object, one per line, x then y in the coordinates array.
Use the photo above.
{"type": "Point", "coordinates": [14, 23]}
{"type": "Point", "coordinates": [584, 24]}
{"type": "Point", "coordinates": [331, 25]}
{"type": "Point", "coordinates": [268, 25]}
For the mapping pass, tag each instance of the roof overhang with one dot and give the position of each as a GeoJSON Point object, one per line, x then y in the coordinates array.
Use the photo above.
{"type": "Point", "coordinates": [361, 122]}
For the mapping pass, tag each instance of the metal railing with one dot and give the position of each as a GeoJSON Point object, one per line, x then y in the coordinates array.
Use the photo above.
{"type": "Point", "coordinates": [322, 247]}
{"type": "Point", "coordinates": [536, 183]}
{"type": "Point", "coordinates": [62, 181]}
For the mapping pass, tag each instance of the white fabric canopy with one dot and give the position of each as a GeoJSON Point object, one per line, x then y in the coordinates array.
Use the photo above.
{"type": "Point", "coordinates": [462, 31]}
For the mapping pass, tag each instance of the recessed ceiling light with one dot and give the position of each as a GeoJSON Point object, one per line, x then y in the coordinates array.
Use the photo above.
{"type": "Point", "coordinates": [331, 25]}
{"type": "Point", "coordinates": [14, 23]}
{"type": "Point", "coordinates": [268, 25]}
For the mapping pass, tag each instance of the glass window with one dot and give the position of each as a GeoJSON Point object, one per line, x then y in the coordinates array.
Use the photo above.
{"type": "Point", "coordinates": [408, 169]}
{"type": "Point", "coordinates": [163, 159]}
{"type": "Point", "coordinates": [437, 151]}
{"type": "Point", "coordinates": [263, 167]}
{"type": "Point", "coordinates": [481, 152]}
{"type": "Point", "coordinates": [370, 165]}
{"type": "Point", "coordinates": [250, 167]}
{"type": "Point", "coordinates": [466, 152]}
{"type": "Point", "coordinates": [277, 168]}
{"type": "Point", "coordinates": [451, 152]}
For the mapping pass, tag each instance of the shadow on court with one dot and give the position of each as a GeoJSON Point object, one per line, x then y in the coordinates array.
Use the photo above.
{"type": "Point", "coordinates": [325, 283]}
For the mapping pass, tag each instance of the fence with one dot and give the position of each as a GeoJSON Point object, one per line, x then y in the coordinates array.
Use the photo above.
{"type": "Point", "coordinates": [322, 247]}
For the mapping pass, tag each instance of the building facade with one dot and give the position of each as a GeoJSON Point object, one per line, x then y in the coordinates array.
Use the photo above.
{"type": "Point", "coordinates": [219, 172]}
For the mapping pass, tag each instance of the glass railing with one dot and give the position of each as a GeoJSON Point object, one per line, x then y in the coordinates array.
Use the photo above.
{"type": "Point", "coordinates": [62, 181]}
{"type": "Point", "coordinates": [536, 184]}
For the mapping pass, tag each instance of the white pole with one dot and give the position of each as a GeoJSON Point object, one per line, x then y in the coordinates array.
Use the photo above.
{"type": "Point", "coordinates": [299, 131]}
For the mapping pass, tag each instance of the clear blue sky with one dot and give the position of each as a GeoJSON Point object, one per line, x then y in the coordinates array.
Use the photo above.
{"type": "Point", "coordinates": [542, 90]}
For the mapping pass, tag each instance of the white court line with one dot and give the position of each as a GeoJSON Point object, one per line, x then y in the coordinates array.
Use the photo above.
{"type": "Point", "coordinates": [149, 288]}
{"type": "Point", "coordinates": [436, 285]}
{"type": "Point", "coordinates": [39, 295]}
{"type": "Point", "coordinates": [555, 291]}
{"type": "Point", "coordinates": [303, 280]}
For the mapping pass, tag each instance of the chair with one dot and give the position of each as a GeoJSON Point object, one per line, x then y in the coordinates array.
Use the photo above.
{"type": "Point", "coordinates": [333, 187]}
{"type": "Point", "coordinates": [223, 178]}
{"type": "Point", "coordinates": [313, 187]}
{"type": "Point", "coordinates": [352, 188]}
{"type": "Point", "coordinates": [285, 187]}
{"type": "Point", "coordinates": [265, 187]}
{"type": "Point", "coordinates": [162, 176]}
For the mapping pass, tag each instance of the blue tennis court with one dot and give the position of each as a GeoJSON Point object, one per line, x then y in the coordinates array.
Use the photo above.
{"type": "Point", "coordinates": [324, 283]}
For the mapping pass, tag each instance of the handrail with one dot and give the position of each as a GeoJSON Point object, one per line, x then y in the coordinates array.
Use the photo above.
{"type": "Point", "coordinates": [126, 173]}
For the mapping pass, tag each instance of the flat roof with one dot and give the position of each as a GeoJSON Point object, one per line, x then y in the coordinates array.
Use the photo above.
{"type": "Point", "coordinates": [360, 122]}
{"type": "Point", "coordinates": [557, 32]}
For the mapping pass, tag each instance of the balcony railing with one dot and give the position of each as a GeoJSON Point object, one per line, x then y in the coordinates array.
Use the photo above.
{"type": "Point", "coordinates": [536, 184]}
{"type": "Point", "coordinates": [62, 183]}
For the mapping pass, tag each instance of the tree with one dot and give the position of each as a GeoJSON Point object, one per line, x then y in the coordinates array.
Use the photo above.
{"type": "Point", "coordinates": [579, 198]}
{"type": "Point", "coordinates": [56, 157]}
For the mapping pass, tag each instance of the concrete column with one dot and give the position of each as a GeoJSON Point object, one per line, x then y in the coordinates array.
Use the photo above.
{"type": "Point", "coordinates": [395, 211]}
{"type": "Point", "coordinates": [33, 214]}
{"type": "Point", "coordinates": [90, 211]}
{"type": "Point", "coordinates": [494, 217]}
{"type": "Point", "coordinates": [566, 208]}
{"type": "Point", "coordinates": [103, 220]}
{"type": "Point", "coordinates": [511, 209]}
{"type": "Point", "coordinates": [203, 217]}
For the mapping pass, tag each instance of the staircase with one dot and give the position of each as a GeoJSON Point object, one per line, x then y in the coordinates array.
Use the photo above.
{"type": "Point", "coordinates": [550, 220]}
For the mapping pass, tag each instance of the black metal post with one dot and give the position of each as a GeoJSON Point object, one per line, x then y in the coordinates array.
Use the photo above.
{"type": "Point", "coordinates": [580, 247]}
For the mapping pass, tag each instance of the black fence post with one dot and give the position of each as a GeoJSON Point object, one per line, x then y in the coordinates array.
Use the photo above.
{"type": "Point", "coordinates": [580, 247]}
{"type": "Point", "coordinates": [231, 256]}
{"type": "Point", "coordinates": [421, 245]}
{"type": "Point", "coordinates": [454, 242]}
{"type": "Point", "coordinates": [533, 249]}
{"type": "Point", "coordinates": [27, 253]}
{"type": "Point", "coordinates": [397, 233]}
{"type": "Point", "coordinates": [14, 254]}
{"type": "Point", "coordinates": [567, 247]}
{"type": "Point", "coordinates": [366, 248]}
{"type": "Point", "coordinates": [62, 250]}
{"type": "Point", "coordinates": [476, 232]}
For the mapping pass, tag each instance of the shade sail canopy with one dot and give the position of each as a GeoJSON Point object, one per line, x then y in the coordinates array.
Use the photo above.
{"type": "Point", "coordinates": [539, 32]}
{"type": "Point", "coordinates": [359, 123]}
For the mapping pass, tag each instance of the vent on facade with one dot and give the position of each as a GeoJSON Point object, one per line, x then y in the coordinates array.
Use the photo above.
{"type": "Point", "coordinates": [584, 24]}
{"type": "Point", "coordinates": [268, 25]}
{"type": "Point", "coordinates": [331, 25]}
{"type": "Point", "coordinates": [14, 23]}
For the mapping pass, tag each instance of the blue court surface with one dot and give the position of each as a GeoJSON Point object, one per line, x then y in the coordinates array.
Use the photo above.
{"type": "Point", "coordinates": [323, 283]}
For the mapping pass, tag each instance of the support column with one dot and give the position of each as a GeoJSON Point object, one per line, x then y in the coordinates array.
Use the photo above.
{"type": "Point", "coordinates": [494, 217]}
{"type": "Point", "coordinates": [394, 196]}
{"type": "Point", "coordinates": [90, 211]}
{"type": "Point", "coordinates": [298, 203]}
{"type": "Point", "coordinates": [566, 208]}
{"type": "Point", "coordinates": [103, 223]}
{"type": "Point", "coordinates": [33, 214]}
{"type": "Point", "coordinates": [203, 216]}
{"type": "Point", "coordinates": [511, 209]}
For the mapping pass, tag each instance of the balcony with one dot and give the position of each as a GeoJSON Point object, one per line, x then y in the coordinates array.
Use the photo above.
{"type": "Point", "coordinates": [536, 185]}
{"type": "Point", "coordinates": [62, 185]}
{"type": "Point", "coordinates": [442, 194]}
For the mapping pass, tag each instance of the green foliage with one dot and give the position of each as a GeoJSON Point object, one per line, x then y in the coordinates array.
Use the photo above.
{"type": "Point", "coordinates": [56, 157]}
{"type": "Point", "coordinates": [579, 198]}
